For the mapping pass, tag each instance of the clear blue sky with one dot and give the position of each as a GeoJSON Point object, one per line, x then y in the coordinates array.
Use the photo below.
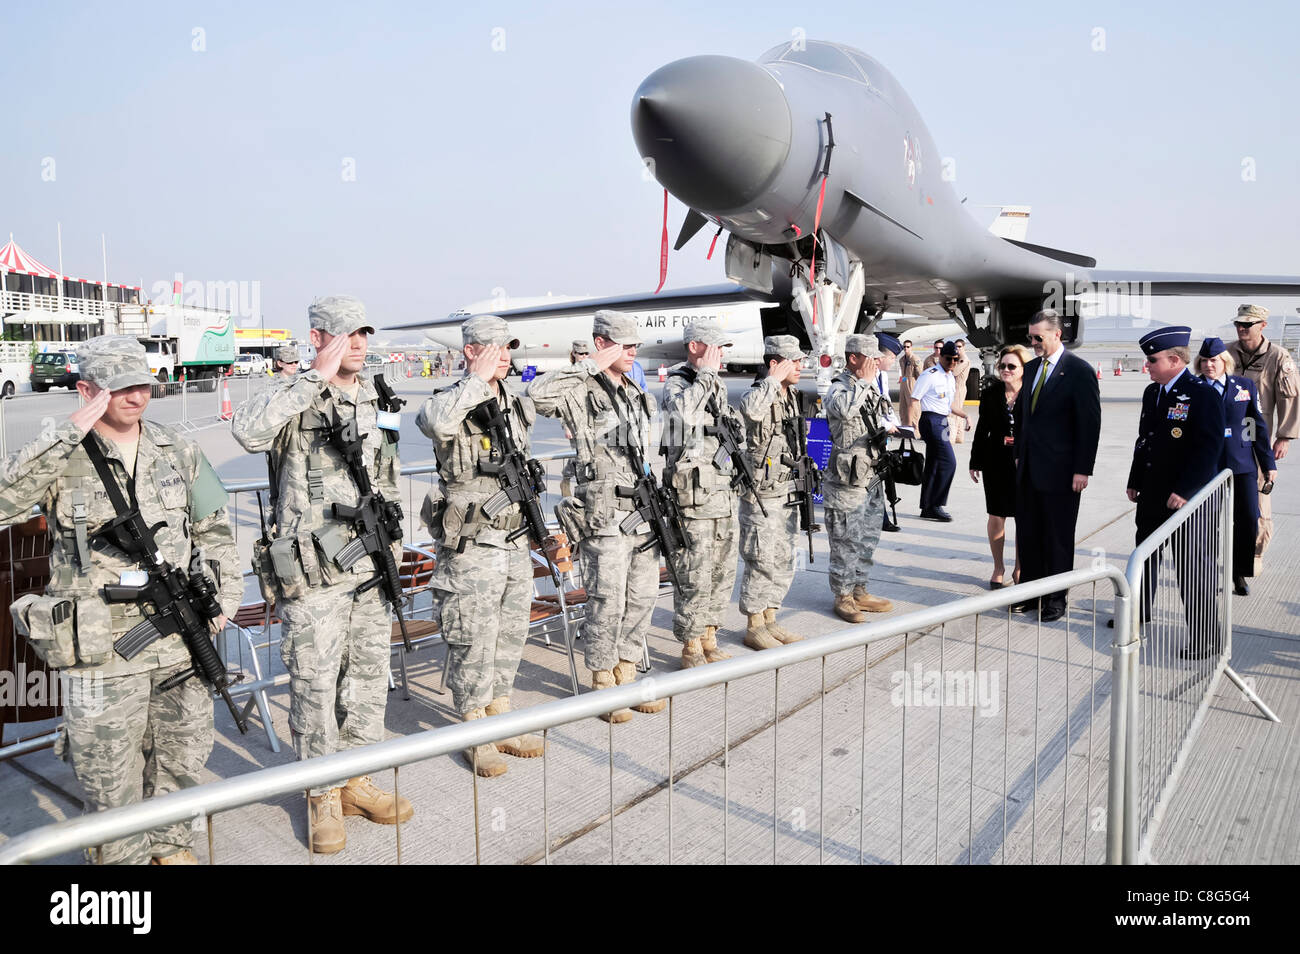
{"type": "Point", "coordinates": [479, 169]}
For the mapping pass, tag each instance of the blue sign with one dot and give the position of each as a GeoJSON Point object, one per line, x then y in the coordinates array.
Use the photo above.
{"type": "Point", "coordinates": [530, 372]}
{"type": "Point", "coordinates": [819, 445]}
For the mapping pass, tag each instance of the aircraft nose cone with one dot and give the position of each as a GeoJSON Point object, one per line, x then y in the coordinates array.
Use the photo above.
{"type": "Point", "coordinates": [717, 129]}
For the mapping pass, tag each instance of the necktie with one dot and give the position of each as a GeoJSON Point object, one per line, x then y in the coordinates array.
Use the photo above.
{"type": "Point", "coordinates": [1038, 385]}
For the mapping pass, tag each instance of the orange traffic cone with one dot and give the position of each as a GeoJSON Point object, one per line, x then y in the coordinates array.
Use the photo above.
{"type": "Point", "coordinates": [227, 412]}
{"type": "Point", "coordinates": [1119, 369]}
{"type": "Point", "coordinates": [1144, 367]}
{"type": "Point", "coordinates": [1098, 370]}
{"type": "Point", "coordinates": [663, 373]}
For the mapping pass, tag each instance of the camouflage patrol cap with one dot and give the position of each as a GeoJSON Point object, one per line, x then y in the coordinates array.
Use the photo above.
{"type": "Point", "coordinates": [621, 329]}
{"type": "Point", "coordinates": [339, 315]}
{"type": "Point", "coordinates": [707, 331]}
{"type": "Point", "coordinates": [287, 353]}
{"type": "Point", "coordinates": [864, 345]}
{"type": "Point", "coordinates": [1252, 313]}
{"type": "Point", "coordinates": [114, 362]}
{"type": "Point", "coordinates": [783, 346]}
{"type": "Point", "coordinates": [488, 330]}
{"type": "Point", "coordinates": [581, 347]}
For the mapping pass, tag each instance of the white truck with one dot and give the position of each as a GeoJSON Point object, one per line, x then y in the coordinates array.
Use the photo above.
{"type": "Point", "coordinates": [199, 342]}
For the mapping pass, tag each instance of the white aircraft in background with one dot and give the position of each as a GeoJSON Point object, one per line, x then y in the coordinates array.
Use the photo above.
{"type": "Point", "coordinates": [547, 325]}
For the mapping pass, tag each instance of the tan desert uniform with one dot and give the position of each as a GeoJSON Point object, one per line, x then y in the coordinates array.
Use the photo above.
{"type": "Point", "coordinates": [1274, 373]}
{"type": "Point", "coordinates": [909, 369]}
{"type": "Point", "coordinates": [957, 426]}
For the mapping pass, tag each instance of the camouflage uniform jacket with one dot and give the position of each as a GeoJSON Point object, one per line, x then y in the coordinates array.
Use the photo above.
{"type": "Point", "coordinates": [459, 444]}
{"type": "Point", "coordinates": [55, 473]}
{"type": "Point", "coordinates": [703, 489]}
{"type": "Point", "coordinates": [293, 423]}
{"type": "Point", "coordinates": [575, 394]}
{"type": "Point", "coordinates": [770, 414]}
{"type": "Point", "coordinates": [851, 465]}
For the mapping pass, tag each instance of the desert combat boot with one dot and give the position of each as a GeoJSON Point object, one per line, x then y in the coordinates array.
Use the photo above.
{"type": "Point", "coordinates": [484, 759]}
{"type": "Point", "coordinates": [325, 823]}
{"type": "Point", "coordinates": [527, 746]}
{"type": "Point", "coordinates": [757, 635]}
{"type": "Point", "coordinates": [624, 673]}
{"type": "Point", "coordinates": [870, 604]}
{"type": "Point", "coordinates": [361, 796]}
{"type": "Point", "coordinates": [780, 632]}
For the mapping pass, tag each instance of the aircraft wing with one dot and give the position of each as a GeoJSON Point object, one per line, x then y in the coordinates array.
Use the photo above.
{"type": "Point", "coordinates": [697, 296]}
{"type": "Point", "coordinates": [1197, 283]}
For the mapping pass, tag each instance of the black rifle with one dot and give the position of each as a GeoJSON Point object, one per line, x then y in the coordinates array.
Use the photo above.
{"type": "Point", "coordinates": [731, 444]}
{"type": "Point", "coordinates": [376, 522]}
{"type": "Point", "coordinates": [172, 601]}
{"type": "Point", "coordinates": [807, 478]}
{"type": "Point", "coordinates": [885, 461]}
{"type": "Point", "coordinates": [653, 504]}
{"type": "Point", "coordinates": [522, 479]}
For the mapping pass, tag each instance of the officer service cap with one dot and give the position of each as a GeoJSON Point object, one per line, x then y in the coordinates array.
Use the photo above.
{"type": "Point", "coordinates": [114, 362]}
{"type": "Point", "coordinates": [864, 345]}
{"type": "Point", "coordinates": [339, 315]}
{"type": "Point", "coordinates": [615, 327]}
{"type": "Point", "coordinates": [889, 343]}
{"type": "Point", "coordinates": [488, 330]}
{"type": "Point", "coordinates": [1212, 347]}
{"type": "Point", "coordinates": [581, 347]}
{"type": "Point", "coordinates": [1252, 313]}
{"type": "Point", "coordinates": [949, 350]}
{"type": "Point", "coordinates": [1162, 339]}
{"type": "Point", "coordinates": [783, 346]}
{"type": "Point", "coordinates": [287, 353]}
{"type": "Point", "coordinates": [707, 331]}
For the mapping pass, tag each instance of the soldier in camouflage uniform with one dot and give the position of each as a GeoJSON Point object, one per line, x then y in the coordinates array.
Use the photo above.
{"type": "Point", "coordinates": [126, 738]}
{"type": "Point", "coordinates": [767, 543]}
{"type": "Point", "coordinates": [854, 509]}
{"type": "Point", "coordinates": [706, 569]}
{"type": "Point", "coordinates": [484, 579]}
{"type": "Point", "coordinates": [622, 581]}
{"type": "Point", "coordinates": [334, 641]}
{"type": "Point", "coordinates": [286, 363]}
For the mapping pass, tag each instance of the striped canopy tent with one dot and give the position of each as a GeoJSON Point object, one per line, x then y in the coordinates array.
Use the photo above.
{"type": "Point", "coordinates": [14, 259]}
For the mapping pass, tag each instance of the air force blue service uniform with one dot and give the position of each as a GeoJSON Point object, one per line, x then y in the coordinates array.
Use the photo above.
{"type": "Point", "coordinates": [1178, 450]}
{"type": "Point", "coordinates": [1244, 445]}
{"type": "Point", "coordinates": [1056, 436]}
{"type": "Point", "coordinates": [935, 389]}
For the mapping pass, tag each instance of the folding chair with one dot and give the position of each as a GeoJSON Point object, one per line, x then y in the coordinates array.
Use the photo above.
{"type": "Point", "coordinates": [416, 573]}
{"type": "Point", "coordinates": [255, 620]}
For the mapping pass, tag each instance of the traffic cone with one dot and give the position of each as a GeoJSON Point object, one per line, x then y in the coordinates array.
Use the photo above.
{"type": "Point", "coordinates": [663, 373]}
{"type": "Point", "coordinates": [1119, 369]}
{"type": "Point", "coordinates": [227, 412]}
{"type": "Point", "coordinates": [1098, 370]}
{"type": "Point", "coordinates": [1144, 367]}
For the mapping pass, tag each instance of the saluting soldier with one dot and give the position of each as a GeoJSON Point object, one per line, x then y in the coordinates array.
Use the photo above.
{"type": "Point", "coordinates": [854, 508]}
{"type": "Point", "coordinates": [1245, 449]}
{"type": "Point", "coordinates": [702, 484]}
{"type": "Point", "coordinates": [126, 737]}
{"type": "Point", "coordinates": [771, 411]}
{"type": "Point", "coordinates": [484, 579]}
{"type": "Point", "coordinates": [1272, 369]}
{"type": "Point", "coordinates": [606, 412]}
{"type": "Point", "coordinates": [1179, 446]}
{"type": "Point", "coordinates": [334, 640]}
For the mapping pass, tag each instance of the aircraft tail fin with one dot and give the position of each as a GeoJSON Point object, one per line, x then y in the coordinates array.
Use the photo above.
{"type": "Point", "coordinates": [1012, 223]}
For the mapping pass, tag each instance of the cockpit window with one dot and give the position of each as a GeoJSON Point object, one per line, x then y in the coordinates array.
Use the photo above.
{"type": "Point", "coordinates": [825, 57]}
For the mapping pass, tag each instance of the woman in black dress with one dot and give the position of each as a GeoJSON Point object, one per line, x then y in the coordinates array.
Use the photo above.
{"type": "Point", "coordinates": [993, 453]}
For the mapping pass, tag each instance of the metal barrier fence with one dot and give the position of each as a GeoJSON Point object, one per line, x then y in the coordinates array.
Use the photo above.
{"type": "Point", "coordinates": [1181, 577]}
{"type": "Point", "coordinates": [1031, 780]}
{"type": "Point", "coordinates": [187, 406]}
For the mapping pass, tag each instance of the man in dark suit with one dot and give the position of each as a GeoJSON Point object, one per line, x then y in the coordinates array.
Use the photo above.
{"type": "Point", "coordinates": [1178, 450]}
{"type": "Point", "coordinates": [1057, 427]}
{"type": "Point", "coordinates": [1245, 443]}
